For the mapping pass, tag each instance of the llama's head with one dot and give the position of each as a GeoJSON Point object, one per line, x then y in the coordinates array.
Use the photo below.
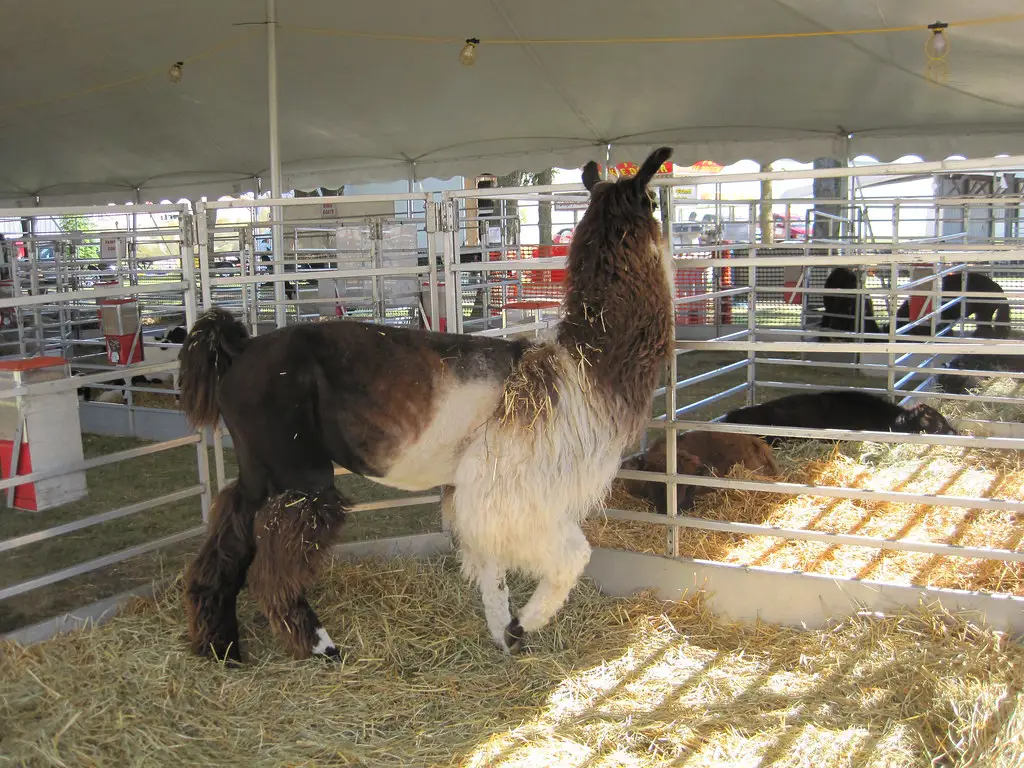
{"type": "Point", "coordinates": [628, 197]}
{"type": "Point", "coordinates": [618, 295]}
{"type": "Point", "coordinates": [923, 418]}
{"type": "Point", "coordinates": [618, 235]}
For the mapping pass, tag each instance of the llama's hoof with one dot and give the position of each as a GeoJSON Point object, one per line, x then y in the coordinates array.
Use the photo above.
{"type": "Point", "coordinates": [325, 647]}
{"type": "Point", "coordinates": [331, 655]}
{"type": "Point", "coordinates": [515, 637]}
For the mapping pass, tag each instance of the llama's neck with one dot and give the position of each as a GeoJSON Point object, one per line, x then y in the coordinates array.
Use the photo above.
{"type": "Point", "coordinates": [618, 324]}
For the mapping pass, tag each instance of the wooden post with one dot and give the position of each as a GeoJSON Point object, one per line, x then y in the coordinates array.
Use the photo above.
{"type": "Point", "coordinates": [765, 221]}
{"type": "Point", "coordinates": [828, 225]}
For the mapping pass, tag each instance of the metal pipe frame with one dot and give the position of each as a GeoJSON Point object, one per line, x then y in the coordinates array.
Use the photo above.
{"type": "Point", "coordinates": [800, 489]}
{"type": "Point", "coordinates": [928, 250]}
{"type": "Point", "coordinates": [287, 202]}
{"type": "Point", "coordinates": [900, 545]}
{"type": "Point", "coordinates": [86, 522]}
{"type": "Point", "coordinates": [102, 562]}
{"type": "Point", "coordinates": [90, 210]}
{"type": "Point", "coordinates": [277, 230]}
{"type": "Point", "coordinates": [180, 292]}
{"type": "Point", "coordinates": [935, 250]}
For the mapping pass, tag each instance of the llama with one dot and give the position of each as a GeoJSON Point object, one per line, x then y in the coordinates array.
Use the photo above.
{"type": "Point", "coordinates": [524, 437]}
{"type": "Point", "coordinates": [840, 309]}
{"type": "Point", "coordinates": [841, 409]}
{"type": "Point", "coordinates": [991, 315]}
{"type": "Point", "coordinates": [959, 385]}
{"type": "Point", "coordinates": [698, 453]}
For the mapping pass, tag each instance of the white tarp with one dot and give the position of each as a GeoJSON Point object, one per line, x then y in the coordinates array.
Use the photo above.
{"type": "Point", "coordinates": [90, 112]}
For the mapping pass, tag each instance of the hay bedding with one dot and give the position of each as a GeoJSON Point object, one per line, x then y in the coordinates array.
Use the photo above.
{"type": "Point", "coordinates": [996, 474]}
{"type": "Point", "coordinates": [612, 682]}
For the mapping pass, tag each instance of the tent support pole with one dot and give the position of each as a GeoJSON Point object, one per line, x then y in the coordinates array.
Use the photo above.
{"type": "Point", "coordinates": [277, 231]}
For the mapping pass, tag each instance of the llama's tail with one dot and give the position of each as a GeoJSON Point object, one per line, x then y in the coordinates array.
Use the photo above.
{"type": "Point", "coordinates": [214, 341]}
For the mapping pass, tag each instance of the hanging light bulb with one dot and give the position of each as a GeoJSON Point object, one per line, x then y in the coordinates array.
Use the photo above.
{"type": "Point", "coordinates": [174, 73]}
{"type": "Point", "coordinates": [468, 53]}
{"type": "Point", "coordinates": [936, 48]}
{"type": "Point", "coordinates": [938, 45]}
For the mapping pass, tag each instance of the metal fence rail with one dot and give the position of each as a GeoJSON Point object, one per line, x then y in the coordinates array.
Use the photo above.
{"type": "Point", "coordinates": [58, 272]}
{"type": "Point", "coordinates": [762, 301]}
{"type": "Point", "coordinates": [478, 261]}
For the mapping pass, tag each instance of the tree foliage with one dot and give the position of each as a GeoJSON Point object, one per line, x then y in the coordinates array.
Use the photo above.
{"type": "Point", "coordinates": [69, 223]}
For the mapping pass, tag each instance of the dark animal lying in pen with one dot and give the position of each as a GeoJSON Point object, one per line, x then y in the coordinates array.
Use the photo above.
{"type": "Point", "coordinates": [986, 366]}
{"type": "Point", "coordinates": [842, 409]}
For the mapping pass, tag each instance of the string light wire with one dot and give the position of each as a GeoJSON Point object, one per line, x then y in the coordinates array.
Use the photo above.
{"type": "Point", "coordinates": [233, 42]}
{"type": "Point", "coordinates": [159, 71]}
{"type": "Point", "coordinates": [986, 21]}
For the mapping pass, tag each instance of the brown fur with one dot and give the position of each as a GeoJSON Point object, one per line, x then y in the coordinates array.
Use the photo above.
{"type": "Point", "coordinates": [618, 306]}
{"type": "Point", "coordinates": [206, 354]}
{"type": "Point", "coordinates": [353, 393]}
{"type": "Point", "coordinates": [295, 402]}
{"type": "Point", "coordinates": [653, 491]}
{"type": "Point", "coordinates": [294, 533]}
{"type": "Point", "coordinates": [214, 579]}
{"type": "Point", "coordinates": [699, 453]}
{"type": "Point", "coordinates": [721, 451]}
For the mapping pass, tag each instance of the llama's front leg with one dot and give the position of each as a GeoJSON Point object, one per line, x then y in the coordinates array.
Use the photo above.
{"type": "Point", "coordinates": [294, 533]}
{"type": "Point", "coordinates": [560, 572]}
{"type": "Point", "coordinates": [490, 578]}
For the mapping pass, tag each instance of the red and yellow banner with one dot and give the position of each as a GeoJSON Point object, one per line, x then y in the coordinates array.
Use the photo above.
{"type": "Point", "coordinates": [623, 170]}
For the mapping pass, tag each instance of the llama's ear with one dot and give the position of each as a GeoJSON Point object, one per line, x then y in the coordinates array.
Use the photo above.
{"type": "Point", "coordinates": [651, 165]}
{"type": "Point", "coordinates": [591, 175]}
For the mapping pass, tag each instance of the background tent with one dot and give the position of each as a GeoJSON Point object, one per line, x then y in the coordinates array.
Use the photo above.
{"type": "Point", "coordinates": [375, 91]}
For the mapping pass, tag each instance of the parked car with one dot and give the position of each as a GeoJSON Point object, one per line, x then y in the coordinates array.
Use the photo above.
{"type": "Point", "coordinates": [797, 228]}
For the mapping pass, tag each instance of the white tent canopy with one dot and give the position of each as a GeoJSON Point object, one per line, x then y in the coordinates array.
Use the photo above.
{"type": "Point", "coordinates": [91, 114]}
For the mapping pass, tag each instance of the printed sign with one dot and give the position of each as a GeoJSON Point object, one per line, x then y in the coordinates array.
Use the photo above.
{"type": "Point", "coordinates": [622, 170]}
{"type": "Point", "coordinates": [112, 249]}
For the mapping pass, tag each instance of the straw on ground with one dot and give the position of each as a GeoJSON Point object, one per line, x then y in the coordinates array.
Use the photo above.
{"type": "Point", "coordinates": [611, 682]}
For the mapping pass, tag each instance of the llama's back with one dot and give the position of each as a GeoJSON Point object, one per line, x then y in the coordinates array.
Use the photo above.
{"type": "Point", "coordinates": [393, 404]}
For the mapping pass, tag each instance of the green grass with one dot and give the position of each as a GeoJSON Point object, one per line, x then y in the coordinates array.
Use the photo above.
{"type": "Point", "coordinates": [110, 487]}
{"type": "Point", "coordinates": [129, 482]}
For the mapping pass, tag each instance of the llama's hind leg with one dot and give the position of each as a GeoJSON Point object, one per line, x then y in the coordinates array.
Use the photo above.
{"type": "Point", "coordinates": [217, 574]}
{"type": "Point", "coordinates": [559, 572]}
{"type": "Point", "coordinates": [294, 532]}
